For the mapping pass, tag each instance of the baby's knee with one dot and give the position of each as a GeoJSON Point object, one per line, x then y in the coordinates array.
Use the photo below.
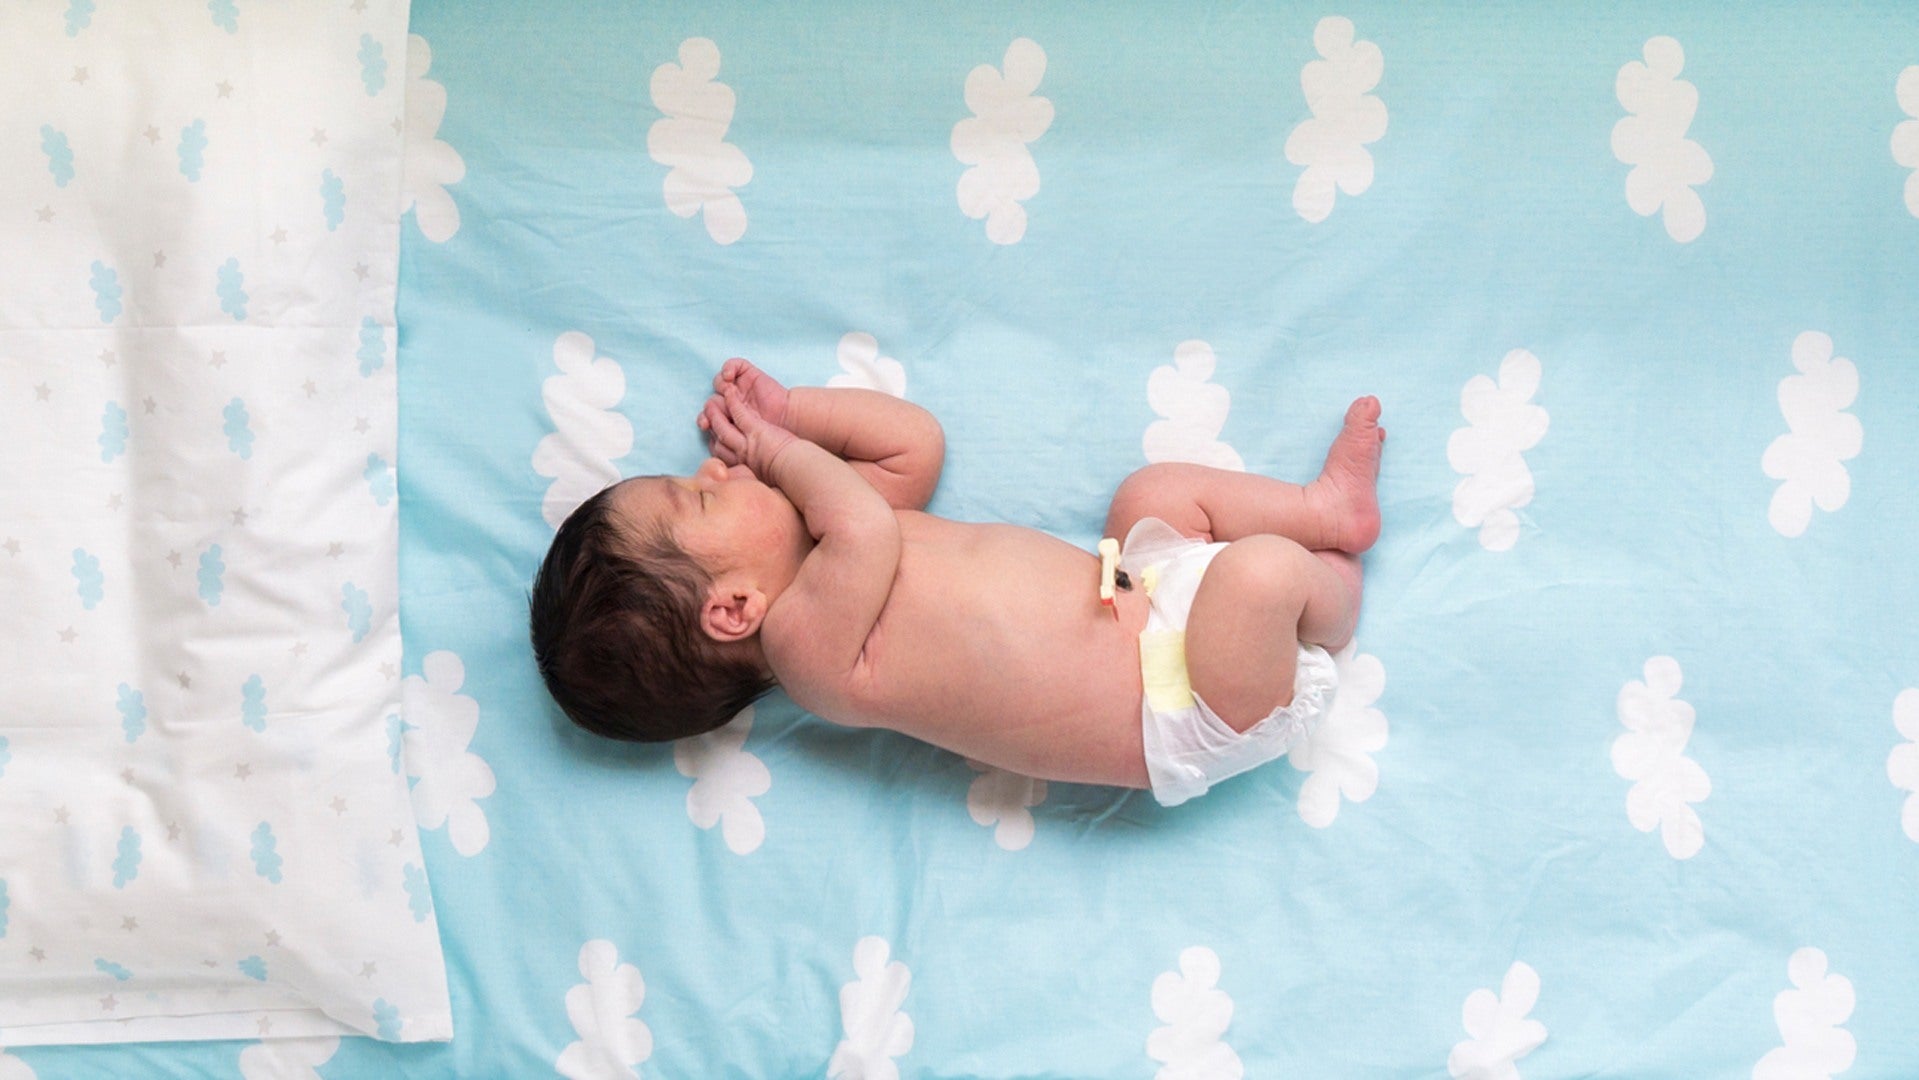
{"type": "Point", "coordinates": [1263, 570]}
{"type": "Point", "coordinates": [1141, 489]}
{"type": "Point", "coordinates": [1162, 490]}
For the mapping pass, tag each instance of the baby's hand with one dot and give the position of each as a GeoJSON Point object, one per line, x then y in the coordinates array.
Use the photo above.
{"type": "Point", "coordinates": [739, 433]}
{"type": "Point", "coordinates": [762, 391]}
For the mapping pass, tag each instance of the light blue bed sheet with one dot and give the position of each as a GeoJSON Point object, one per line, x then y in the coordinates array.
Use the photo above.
{"type": "Point", "coordinates": [1601, 558]}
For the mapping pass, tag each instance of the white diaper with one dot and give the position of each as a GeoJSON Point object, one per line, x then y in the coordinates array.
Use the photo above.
{"type": "Point", "coordinates": [1188, 747]}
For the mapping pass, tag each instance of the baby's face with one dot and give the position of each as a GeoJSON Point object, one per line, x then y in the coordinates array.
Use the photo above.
{"type": "Point", "coordinates": [724, 517]}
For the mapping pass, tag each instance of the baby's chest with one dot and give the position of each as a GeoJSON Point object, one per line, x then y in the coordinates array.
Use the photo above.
{"type": "Point", "coordinates": [1022, 642]}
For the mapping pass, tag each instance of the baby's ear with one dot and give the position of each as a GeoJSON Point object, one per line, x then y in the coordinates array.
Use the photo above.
{"type": "Point", "coordinates": [732, 613]}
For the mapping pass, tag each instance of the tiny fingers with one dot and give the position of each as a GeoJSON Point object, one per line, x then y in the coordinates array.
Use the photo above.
{"type": "Point", "coordinates": [738, 409]}
{"type": "Point", "coordinates": [721, 430]}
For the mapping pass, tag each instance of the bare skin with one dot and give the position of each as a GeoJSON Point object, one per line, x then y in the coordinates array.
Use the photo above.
{"type": "Point", "coordinates": [985, 639]}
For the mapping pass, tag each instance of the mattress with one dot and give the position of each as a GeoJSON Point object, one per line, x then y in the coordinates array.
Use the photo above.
{"type": "Point", "coordinates": [1622, 778]}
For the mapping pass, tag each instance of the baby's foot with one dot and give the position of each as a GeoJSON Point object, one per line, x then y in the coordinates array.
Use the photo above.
{"type": "Point", "coordinates": [1346, 488]}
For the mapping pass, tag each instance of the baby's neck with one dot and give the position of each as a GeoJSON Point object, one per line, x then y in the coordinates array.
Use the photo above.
{"type": "Point", "coordinates": [749, 650]}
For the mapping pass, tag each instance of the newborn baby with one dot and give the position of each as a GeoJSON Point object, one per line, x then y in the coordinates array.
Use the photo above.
{"type": "Point", "coordinates": [798, 556]}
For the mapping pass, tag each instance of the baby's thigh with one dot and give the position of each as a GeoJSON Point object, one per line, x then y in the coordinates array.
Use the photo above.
{"type": "Point", "coordinates": [1164, 490]}
{"type": "Point", "coordinates": [1242, 634]}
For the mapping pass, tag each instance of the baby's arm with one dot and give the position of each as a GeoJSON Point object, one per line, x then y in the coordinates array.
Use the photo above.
{"type": "Point", "coordinates": [894, 444]}
{"type": "Point", "coordinates": [815, 634]}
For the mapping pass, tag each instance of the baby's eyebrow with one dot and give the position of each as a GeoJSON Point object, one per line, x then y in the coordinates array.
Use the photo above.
{"type": "Point", "coordinates": [677, 497]}
{"type": "Point", "coordinates": [664, 504]}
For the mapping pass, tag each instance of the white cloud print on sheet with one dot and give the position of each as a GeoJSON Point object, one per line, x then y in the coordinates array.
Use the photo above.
{"type": "Point", "coordinates": [1652, 754]}
{"type": "Point", "coordinates": [726, 779]}
{"type": "Point", "coordinates": [1194, 1013]}
{"type": "Point", "coordinates": [1902, 765]}
{"type": "Point", "coordinates": [1338, 752]}
{"type": "Point", "coordinates": [1821, 436]}
{"type": "Point", "coordinates": [876, 1030]}
{"type": "Point", "coordinates": [282, 1059]}
{"type": "Point", "coordinates": [1905, 136]}
{"type": "Point", "coordinates": [430, 164]}
{"type": "Point", "coordinates": [449, 777]}
{"type": "Point", "coordinates": [1003, 801]}
{"type": "Point", "coordinates": [703, 168]}
{"type": "Point", "coordinates": [862, 366]}
{"type": "Point", "coordinates": [588, 433]}
{"type": "Point", "coordinates": [1346, 116]}
{"type": "Point", "coordinates": [1192, 411]}
{"type": "Point", "coordinates": [1665, 164]}
{"type": "Point", "coordinates": [12, 1068]}
{"type": "Point", "coordinates": [612, 1040]}
{"type": "Point", "coordinates": [1503, 423]}
{"type": "Point", "coordinates": [1814, 1045]}
{"type": "Point", "coordinates": [1499, 1029]}
{"type": "Point", "coordinates": [1007, 115]}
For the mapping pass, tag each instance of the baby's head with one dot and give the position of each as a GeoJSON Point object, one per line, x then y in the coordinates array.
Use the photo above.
{"type": "Point", "coordinates": [646, 611]}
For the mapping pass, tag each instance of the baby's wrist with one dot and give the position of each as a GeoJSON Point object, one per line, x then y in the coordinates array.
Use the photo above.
{"type": "Point", "coordinates": [772, 443]}
{"type": "Point", "coordinates": [790, 411]}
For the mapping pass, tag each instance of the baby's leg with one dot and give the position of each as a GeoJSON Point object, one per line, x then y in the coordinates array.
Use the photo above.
{"type": "Point", "coordinates": [1338, 511]}
{"type": "Point", "coordinates": [1260, 598]}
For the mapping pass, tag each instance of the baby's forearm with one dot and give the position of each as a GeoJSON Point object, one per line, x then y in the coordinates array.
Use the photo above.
{"type": "Point", "coordinates": [896, 446]}
{"type": "Point", "coordinates": [827, 491]}
{"type": "Point", "coordinates": [819, 626]}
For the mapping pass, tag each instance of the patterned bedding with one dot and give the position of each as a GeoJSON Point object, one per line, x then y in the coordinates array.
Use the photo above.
{"type": "Point", "coordinates": [1623, 774]}
{"type": "Point", "coordinates": [208, 833]}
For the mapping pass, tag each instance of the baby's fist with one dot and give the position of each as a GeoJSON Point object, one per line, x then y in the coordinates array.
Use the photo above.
{"type": "Point", "coordinates": [739, 434]}
{"type": "Point", "coordinates": [760, 390]}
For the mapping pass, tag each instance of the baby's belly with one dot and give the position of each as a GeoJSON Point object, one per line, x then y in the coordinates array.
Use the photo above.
{"type": "Point", "coordinates": [994, 645]}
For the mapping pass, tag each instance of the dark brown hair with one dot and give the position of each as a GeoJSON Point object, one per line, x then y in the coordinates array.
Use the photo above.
{"type": "Point", "coordinates": [615, 620]}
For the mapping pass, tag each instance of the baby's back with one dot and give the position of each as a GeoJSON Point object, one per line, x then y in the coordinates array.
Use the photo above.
{"type": "Point", "coordinates": [993, 627]}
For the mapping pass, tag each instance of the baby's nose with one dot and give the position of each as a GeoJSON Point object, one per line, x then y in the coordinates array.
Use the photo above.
{"type": "Point", "coordinates": [711, 469]}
